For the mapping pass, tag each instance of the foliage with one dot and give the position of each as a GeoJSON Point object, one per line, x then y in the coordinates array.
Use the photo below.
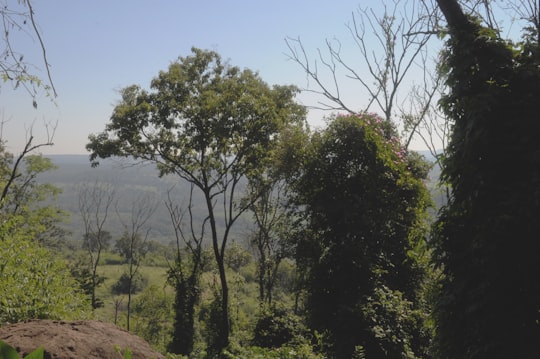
{"type": "Point", "coordinates": [152, 310]}
{"type": "Point", "coordinates": [19, 17]}
{"type": "Point", "coordinates": [127, 353]}
{"type": "Point", "coordinates": [185, 279]}
{"type": "Point", "coordinates": [237, 257]}
{"type": "Point", "coordinates": [212, 317]}
{"type": "Point", "coordinates": [92, 241]}
{"type": "Point", "coordinates": [277, 327]}
{"type": "Point", "coordinates": [22, 195]}
{"type": "Point", "coordinates": [271, 237]}
{"type": "Point", "coordinates": [486, 235]}
{"type": "Point", "coordinates": [33, 284]}
{"type": "Point", "coordinates": [211, 124]}
{"type": "Point", "coordinates": [131, 249]}
{"type": "Point", "coordinates": [8, 352]}
{"type": "Point", "coordinates": [125, 282]}
{"type": "Point", "coordinates": [87, 281]}
{"type": "Point", "coordinates": [300, 351]}
{"type": "Point", "coordinates": [364, 211]}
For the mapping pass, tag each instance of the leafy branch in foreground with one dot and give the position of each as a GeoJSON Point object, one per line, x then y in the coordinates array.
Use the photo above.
{"type": "Point", "coordinates": [8, 352]}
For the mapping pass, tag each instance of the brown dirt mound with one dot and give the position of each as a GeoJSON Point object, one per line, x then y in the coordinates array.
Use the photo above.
{"type": "Point", "coordinates": [75, 340]}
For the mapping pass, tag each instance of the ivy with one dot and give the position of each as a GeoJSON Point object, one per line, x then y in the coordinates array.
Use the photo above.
{"type": "Point", "coordinates": [486, 236]}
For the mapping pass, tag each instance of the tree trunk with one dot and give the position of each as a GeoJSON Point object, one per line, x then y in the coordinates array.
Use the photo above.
{"type": "Point", "coordinates": [224, 325]}
{"type": "Point", "coordinates": [453, 13]}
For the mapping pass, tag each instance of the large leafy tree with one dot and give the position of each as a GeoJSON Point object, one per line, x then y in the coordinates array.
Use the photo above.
{"type": "Point", "coordinates": [364, 209]}
{"type": "Point", "coordinates": [487, 235]}
{"type": "Point", "coordinates": [209, 123]}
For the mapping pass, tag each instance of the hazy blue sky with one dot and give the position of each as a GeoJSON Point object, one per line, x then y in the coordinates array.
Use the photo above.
{"type": "Point", "coordinates": [97, 47]}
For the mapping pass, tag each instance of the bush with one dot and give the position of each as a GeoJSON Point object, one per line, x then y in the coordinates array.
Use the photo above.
{"type": "Point", "coordinates": [34, 285]}
{"type": "Point", "coordinates": [122, 285]}
{"type": "Point", "coordinates": [277, 327]}
{"type": "Point", "coordinates": [299, 351]}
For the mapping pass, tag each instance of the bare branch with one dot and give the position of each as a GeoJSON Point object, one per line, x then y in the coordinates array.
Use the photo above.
{"type": "Point", "coordinates": [28, 149]}
{"type": "Point", "coordinates": [13, 67]}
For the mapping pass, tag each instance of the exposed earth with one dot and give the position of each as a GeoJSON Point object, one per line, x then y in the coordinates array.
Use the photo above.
{"type": "Point", "coordinates": [75, 340]}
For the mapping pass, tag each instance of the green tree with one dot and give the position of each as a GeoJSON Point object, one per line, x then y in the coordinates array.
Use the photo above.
{"type": "Point", "coordinates": [152, 311]}
{"type": "Point", "coordinates": [271, 236]}
{"type": "Point", "coordinates": [21, 195]}
{"type": "Point", "coordinates": [184, 274]}
{"type": "Point", "coordinates": [131, 249]}
{"type": "Point", "coordinates": [487, 234]}
{"type": "Point", "coordinates": [364, 210]}
{"type": "Point", "coordinates": [211, 124]}
{"type": "Point", "coordinates": [33, 283]}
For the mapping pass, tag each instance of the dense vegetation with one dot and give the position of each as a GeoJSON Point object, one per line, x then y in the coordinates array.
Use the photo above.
{"type": "Point", "coordinates": [337, 259]}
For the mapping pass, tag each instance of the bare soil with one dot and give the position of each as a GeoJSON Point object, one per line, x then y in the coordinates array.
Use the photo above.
{"type": "Point", "coordinates": [75, 340]}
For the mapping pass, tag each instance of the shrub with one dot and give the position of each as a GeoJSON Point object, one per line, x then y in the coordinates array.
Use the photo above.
{"type": "Point", "coordinates": [277, 327]}
{"type": "Point", "coordinates": [138, 283]}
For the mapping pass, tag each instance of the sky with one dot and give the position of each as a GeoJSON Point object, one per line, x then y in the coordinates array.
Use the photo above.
{"type": "Point", "coordinates": [97, 47]}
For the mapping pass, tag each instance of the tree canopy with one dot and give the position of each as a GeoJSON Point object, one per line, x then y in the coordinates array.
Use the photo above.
{"type": "Point", "coordinates": [364, 206]}
{"type": "Point", "coordinates": [210, 123]}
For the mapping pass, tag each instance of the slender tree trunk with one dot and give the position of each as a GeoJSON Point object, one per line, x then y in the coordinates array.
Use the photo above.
{"type": "Point", "coordinates": [129, 295]}
{"type": "Point", "coordinates": [262, 270]}
{"type": "Point", "coordinates": [224, 302]}
{"type": "Point", "coordinates": [224, 327]}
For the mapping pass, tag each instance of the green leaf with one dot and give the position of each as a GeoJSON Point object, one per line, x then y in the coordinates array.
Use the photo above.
{"type": "Point", "coordinates": [127, 354]}
{"type": "Point", "coordinates": [7, 352]}
{"type": "Point", "coordinates": [36, 354]}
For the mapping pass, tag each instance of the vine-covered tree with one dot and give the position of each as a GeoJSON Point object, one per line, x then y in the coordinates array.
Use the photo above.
{"type": "Point", "coordinates": [212, 125]}
{"type": "Point", "coordinates": [487, 235]}
{"type": "Point", "coordinates": [364, 218]}
{"type": "Point", "coordinates": [184, 273]}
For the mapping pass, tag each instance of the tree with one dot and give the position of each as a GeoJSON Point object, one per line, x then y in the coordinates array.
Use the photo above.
{"type": "Point", "coordinates": [184, 274]}
{"type": "Point", "coordinates": [152, 312]}
{"type": "Point", "coordinates": [363, 219]}
{"type": "Point", "coordinates": [271, 237]}
{"type": "Point", "coordinates": [212, 125]}
{"type": "Point", "coordinates": [129, 248]}
{"type": "Point", "coordinates": [135, 237]}
{"type": "Point", "coordinates": [391, 70]}
{"type": "Point", "coordinates": [13, 67]}
{"type": "Point", "coordinates": [95, 201]}
{"type": "Point", "coordinates": [490, 296]}
{"type": "Point", "coordinates": [33, 282]}
{"type": "Point", "coordinates": [22, 195]}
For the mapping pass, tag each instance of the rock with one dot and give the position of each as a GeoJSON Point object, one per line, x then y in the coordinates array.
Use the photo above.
{"type": "Point", "coordinates": [75, 340]}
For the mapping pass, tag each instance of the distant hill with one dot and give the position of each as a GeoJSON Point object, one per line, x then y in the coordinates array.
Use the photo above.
{"type": "Point", "coordinates": [131, 181]}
